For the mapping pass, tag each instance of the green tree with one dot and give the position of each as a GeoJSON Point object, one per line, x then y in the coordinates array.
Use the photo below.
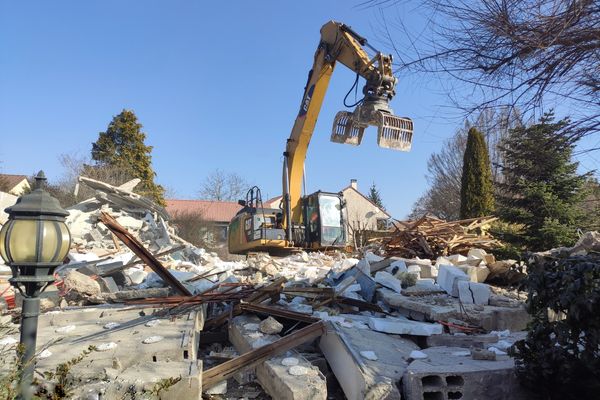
{"type": "Point", "coordinates": [476, 190]}
{"type": "Point", "coordinates": [375, 197]}
{"type": "Point", "coordinates": [542, 193]}
{"type": "Point", "coordinates": [122, 146]}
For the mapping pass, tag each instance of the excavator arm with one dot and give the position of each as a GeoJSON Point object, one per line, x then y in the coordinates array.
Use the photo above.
{"type": "Point", "coordinates": [340, 44]}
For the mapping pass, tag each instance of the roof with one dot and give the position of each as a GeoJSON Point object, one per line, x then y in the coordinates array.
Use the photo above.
{"type": "Point", "coordinates": [211, 210]}
{"type": "Point", "coordinates": [274, 202]}
{"type": "Point", "coordinates": [349, 187]}
{"type": "Point", "coordinates": [12, 180]}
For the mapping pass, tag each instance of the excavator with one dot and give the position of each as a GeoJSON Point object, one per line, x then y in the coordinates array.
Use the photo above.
{"type": "Point", "coordinates": [316, 221]}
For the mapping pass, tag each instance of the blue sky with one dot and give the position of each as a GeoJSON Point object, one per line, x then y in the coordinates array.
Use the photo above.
{"type": "Point", "coordinates": [215, 84]}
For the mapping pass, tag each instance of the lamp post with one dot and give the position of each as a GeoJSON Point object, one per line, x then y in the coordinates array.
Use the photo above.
{"type": "Point", "coordinates": [33, 242]}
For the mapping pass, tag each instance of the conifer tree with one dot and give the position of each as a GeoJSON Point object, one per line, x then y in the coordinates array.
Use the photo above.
{"type": "Point", "coordinates": [375, 197]}
{"type": "Point", "coordinates": [476, 191]}
{"type": "Point", "coordinates": [542, 192]}
{"type": "Point", "coordinates": [122, 146]}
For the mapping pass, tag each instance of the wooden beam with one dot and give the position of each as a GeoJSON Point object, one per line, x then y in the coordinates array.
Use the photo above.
{"type": "Point", "coordinates": [144, 254]}
{"type": "Point", "coordinates": [229, 368]}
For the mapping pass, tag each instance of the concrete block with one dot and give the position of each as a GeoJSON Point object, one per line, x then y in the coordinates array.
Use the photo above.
{"type": "Point", "coordinates": [272, 375]}
{"type": "Point", "coordinates": [478, 253]}
{"type": "Point", "coordinates": [397, 266]}
{"type": "Point", "coordinates": [448, 278]}
{"type": "Point", "coordinates": [457, 259]}
{"type": "Point", "coordinates": [464, 341]}
{"type": "Point", "coordinates": [364, 378]}
{"type": "Point", "coordinates": [81, 283]}
{"type": "Point", "coordinates": [473, 293]}
{"type": "Point", "coordinates": [448, 375]}
{"type": "Point", "coordinates": [428, 271]}
{"type": "Point", "coordinates": [436, 307]}
{"type": "Point", "coordinates": [108, 284]}
{"type": "Point", "coordinates": [403, 326]}
{"type": "Point", "coordinates": [388, 280]}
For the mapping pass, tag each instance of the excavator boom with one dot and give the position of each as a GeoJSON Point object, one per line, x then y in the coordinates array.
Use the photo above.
{"type": "Point", "coordinates": [316, 221]}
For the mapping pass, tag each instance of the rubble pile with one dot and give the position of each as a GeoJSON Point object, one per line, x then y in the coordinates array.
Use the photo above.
{"type": "Point", "coordinates": [429, 237]}
{"type": "Point", "coordinates": [421, 322]}
{"type": "Point", "coordinates": [96, 252]}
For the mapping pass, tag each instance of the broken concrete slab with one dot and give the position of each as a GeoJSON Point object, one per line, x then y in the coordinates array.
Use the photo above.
{"type": "Point", "coordinates": [447, 375]}
{"type": "Point", "coordinates": [122, 197]}
{"type": "Point", "coordinates": [127, 361]}
{"type": "Point", "coordinates": [445, 308]}
{"type": "Point", "coordinates": [272, 375]}
{"type": "Point", "coordinates": [388, 280]}
{"type": "Point", "coordinates": [143, 379]}
{"type": "Point", "coordinates": [270, 326]}
{"type": "Point", "coordinates": [77, 282]}
{"type": "Point", "coordinates": [474, 293]}
{"type": "Point", "coordinates": [363, 377]}
{"type": "Point", "coordinates": [403, 326]}
{"type": "Point", "coordinates": [448, 278]}
{"type": "Point", "coordinates": [465, 341]}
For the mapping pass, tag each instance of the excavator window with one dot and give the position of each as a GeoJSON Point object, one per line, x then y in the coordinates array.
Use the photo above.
{"type": "Point", "coordinates": [332, 230]}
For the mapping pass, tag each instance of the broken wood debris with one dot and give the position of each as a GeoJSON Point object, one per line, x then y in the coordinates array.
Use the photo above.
{"type": "Point", "coordinates": [429, 237]}
{"type": "Point", "coordinates": [226, 370]}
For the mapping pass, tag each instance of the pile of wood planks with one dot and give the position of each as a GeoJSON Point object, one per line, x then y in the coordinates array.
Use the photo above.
{"type": "Point", "coordinates": [430, 237]}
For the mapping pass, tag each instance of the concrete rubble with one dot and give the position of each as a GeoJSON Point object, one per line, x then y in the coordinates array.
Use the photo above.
{"type": "Point", "coordinates": [393, 327]}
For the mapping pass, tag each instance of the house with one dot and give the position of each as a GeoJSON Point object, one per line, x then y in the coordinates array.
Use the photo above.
{"type": "Point", "coordinates": [216, 213]}
{"type": "Point", "coordinates": [361, 214]}
{"type": "Point", "coordinates": [14, 184]}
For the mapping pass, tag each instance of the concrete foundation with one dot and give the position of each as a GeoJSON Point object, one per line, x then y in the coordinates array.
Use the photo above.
{"type": "Point", "coordinates": [273, 375]}
{"type": "Point", "coordinates": [131, 366]}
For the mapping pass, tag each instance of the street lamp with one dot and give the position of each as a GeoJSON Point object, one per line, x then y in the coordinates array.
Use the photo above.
{"type": "Point", "coordinates": [33, 242]}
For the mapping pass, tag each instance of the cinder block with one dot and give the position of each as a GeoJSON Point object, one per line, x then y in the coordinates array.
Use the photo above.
{"type": "Point", "coordinates": [445, 376]}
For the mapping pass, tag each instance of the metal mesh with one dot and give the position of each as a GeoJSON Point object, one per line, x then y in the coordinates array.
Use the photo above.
{"type": "Point", "coordinates": [345, 130]}
{"type": "Point", "coordinates": [394, 132]}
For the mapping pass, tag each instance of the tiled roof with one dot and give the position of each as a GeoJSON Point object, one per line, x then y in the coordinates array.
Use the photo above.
{"type": "Point", "coordinates": [12, 180]}
{"type": "Point", "coordinates": [216, 211]}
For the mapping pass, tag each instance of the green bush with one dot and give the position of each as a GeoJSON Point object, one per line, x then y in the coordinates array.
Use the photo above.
{"type": "Point", "coordinates": [560, 358]}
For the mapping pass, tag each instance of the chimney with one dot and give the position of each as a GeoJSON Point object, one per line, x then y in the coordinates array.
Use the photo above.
{"type": "Point", "coordinates": [354, 184]}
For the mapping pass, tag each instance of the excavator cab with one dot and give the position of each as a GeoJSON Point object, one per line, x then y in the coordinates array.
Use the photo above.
{"type": "Point", "coordinates": [324, 220]}
{"type": "Point", "coordinates": [256, 228]}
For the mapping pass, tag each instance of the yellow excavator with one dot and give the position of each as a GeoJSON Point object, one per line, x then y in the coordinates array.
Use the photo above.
{"type": "Point", "coordinates": [316, 221]}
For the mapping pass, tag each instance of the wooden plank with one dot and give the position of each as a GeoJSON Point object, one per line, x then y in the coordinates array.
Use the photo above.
{"type": "Point", "coordinates": [226, 370]}
{"type": "Point", "coordinates": [144, 254]}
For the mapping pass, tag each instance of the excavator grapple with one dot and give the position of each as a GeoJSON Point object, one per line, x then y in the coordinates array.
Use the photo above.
{"type": "Point", "coordinates": [346, 130]}
{"type": "Point", "coordinates": [392, 132]}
